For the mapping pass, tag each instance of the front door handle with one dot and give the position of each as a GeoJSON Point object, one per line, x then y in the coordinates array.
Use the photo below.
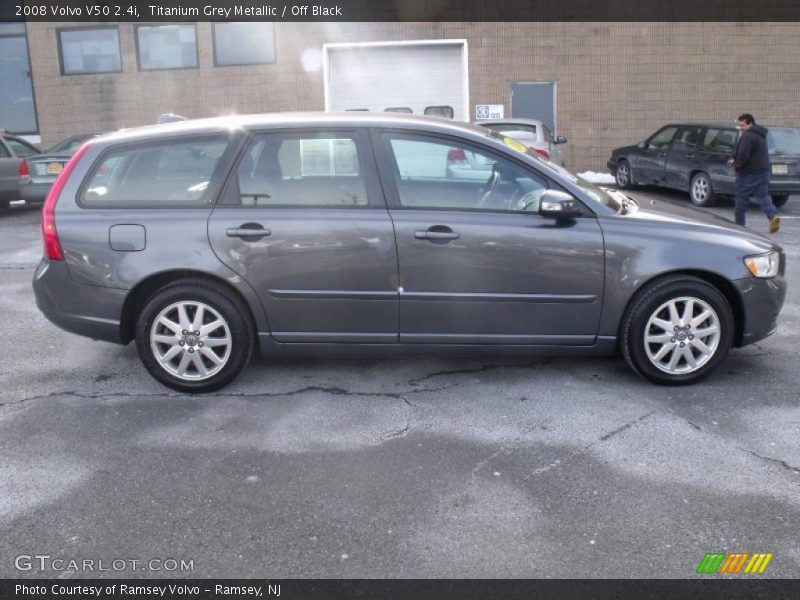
{"type": "Point", "coordinates": [690, 156]}
{"type": "Point", "coordinates": [251, 231]}
{"type": "Point", "coordinates": [437, 233]}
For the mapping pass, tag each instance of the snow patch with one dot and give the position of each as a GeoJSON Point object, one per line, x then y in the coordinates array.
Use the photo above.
{"type": "Point", "coordinates": [602, 178]}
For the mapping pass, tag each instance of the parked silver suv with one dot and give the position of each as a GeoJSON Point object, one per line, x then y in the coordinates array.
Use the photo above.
{"type": "Point", "coordinates": [313, 233]}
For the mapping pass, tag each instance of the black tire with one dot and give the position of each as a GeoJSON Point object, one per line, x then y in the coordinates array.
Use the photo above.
{"type": "Point", "coordinates": [623, 175]}
{"type": "Point", "coordinates": [780, 200]}
{"type": "Point", "coordinates": [214, 298]}
{"type": "Point", "coordinates": [646, 305]}
{"type": "Point", "coordinates": [701, 191]}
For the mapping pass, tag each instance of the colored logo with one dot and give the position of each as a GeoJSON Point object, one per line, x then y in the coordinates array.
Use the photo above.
{"type": "Point", "coordinates": [735, 562]}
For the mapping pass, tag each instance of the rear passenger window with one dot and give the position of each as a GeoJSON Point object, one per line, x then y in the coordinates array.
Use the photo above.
{"type": "Point", "coordinates": [720, 140]}
{"type": "Point", "coordinates": [297, 169]}
{"type": "Point", "coordinates": [165, 173]}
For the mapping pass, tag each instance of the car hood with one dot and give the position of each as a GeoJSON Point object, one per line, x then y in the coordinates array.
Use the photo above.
{"type": "Point", "coordinates": [624, 150]}
{"type": "Point", "coordinates": [677, 217]}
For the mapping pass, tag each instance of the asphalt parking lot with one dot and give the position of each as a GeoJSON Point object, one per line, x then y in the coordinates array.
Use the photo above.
{"type": "Point", "coordinates": [412, 467]}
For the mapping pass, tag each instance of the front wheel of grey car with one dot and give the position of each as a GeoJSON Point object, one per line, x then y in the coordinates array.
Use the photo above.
{"type": "Point", "coordinates": [677, 330]}
{"type": "Point", "coordinates": [700, 190]}
{"type": "Point", "coordinates": [623, 175]}
{"type": "Point", "coordinates": [194, 337]}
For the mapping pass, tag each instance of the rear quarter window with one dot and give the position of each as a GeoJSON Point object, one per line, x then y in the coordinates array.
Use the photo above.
{"type": "Point", "coordinates": [165, 173]}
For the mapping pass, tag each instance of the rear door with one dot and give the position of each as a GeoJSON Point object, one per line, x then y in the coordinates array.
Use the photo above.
{"type": "Point", "coordinates": [478, 264]}
{"type": "Point", "coordinates": [683, 157]}
{"type": "Point", "coordinates": [303, 220]}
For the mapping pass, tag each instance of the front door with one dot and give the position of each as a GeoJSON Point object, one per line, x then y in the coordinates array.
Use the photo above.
{"type": "Point", "coordinates": [304, 222]}
{"type": "Point", "coordinates": [651, 160]}
{"type": "Point", "coordinates": [478, 265]}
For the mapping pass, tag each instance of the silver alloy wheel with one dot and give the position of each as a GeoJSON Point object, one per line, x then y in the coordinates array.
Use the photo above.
{"type": "Point", "coordinates": [191, 340]}
{"type": "Point", "coordinates": [682, 335]}
{"type": "Point", "coordinates": [700, 189]}
{"type": "Point", "coordinates": [623, 174]}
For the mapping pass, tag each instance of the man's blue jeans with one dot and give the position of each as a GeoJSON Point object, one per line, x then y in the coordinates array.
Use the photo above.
{"type": "Point", "coordinates": [756, 184]}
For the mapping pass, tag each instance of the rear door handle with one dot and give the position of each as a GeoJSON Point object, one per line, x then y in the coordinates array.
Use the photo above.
{"type": "Point", "coordinates": [254, 231]}
{"type": "Point", "coordinates": [436, 233]}
{"type": "Point", "coordinates": [690, 156]}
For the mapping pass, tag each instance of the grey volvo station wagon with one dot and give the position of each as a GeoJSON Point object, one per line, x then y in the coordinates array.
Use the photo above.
{"type": "Point", "coordinates": [347, 233]}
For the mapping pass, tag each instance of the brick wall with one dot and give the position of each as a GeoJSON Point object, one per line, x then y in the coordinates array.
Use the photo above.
{"type": "Point", "coordinates": [617, 82]}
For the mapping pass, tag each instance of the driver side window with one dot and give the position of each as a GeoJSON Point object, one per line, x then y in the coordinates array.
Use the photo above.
{"type": "Point", "coordinates": [433, 173]}
{"type": "Point", "coordinates": [662, 138]}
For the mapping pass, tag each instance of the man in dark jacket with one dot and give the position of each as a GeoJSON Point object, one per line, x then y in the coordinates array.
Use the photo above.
{"type": "Point", "coordinates": [751, 162]}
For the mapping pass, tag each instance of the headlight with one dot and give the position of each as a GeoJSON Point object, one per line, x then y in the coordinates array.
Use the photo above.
{"type": "Point", "coordinates": [763, 265]}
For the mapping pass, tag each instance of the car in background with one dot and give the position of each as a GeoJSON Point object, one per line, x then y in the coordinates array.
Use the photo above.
{"type": "Point", "coordinates": [13, 149]}
{"type": "Point", "coordinates": [37, 173]}
{"type": "Point", "coordinates": [531, 132]}
{"type": "Point", "coordinates": [326, 233]}
{"type": "Point", "coordinates": [694, 157]}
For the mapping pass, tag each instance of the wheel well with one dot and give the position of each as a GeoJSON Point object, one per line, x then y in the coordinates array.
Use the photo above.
{"type": "Point", "coordinates": [139, 295]}
{"type": "Point", "coordinates": [725, 287]}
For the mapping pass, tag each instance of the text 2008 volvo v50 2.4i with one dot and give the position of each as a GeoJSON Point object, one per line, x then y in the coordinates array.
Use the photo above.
{"type": "Point", "coordinates": [346, 233]}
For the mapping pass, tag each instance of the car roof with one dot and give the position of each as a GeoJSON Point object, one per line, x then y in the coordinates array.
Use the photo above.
{"type": "Point", "coordinates": [294, 119]}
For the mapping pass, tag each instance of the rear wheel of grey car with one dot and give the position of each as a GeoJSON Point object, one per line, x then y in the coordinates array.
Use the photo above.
{"type": "Point", "coordinates": [194, 337]}
{"type": "Point", "coordinates": [623, 175]}
{"type": "Point", "coordinates": [700, 190]}
{"type": "Point", "coordinates": [677, 330]}
{"type": "Point", "coordinates": [780, 199]}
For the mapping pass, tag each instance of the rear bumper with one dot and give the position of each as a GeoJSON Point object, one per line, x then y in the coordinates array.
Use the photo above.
{"type": "Point", "coordinates": [86, 310]}
{"type": "Point", "coordinates": [762, 300]}
{"type": "Point", "coordinates": [789, 186]}
{"type": "Point", "coordinates": [34, 193]}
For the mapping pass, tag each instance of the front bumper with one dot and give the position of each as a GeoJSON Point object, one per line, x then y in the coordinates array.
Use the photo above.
{"type": "Point", "coordinates": [87, 310]}
{"type": "Point", "coordinates": [762, 300]}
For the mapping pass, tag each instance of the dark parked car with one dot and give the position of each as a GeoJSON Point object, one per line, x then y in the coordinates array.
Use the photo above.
{"type": "Point", "coordinates": [13, 150]}
{"type": "Point", "coordinates": [346, 233]}
{"type": "Point", "coordinates": [37, 173]}
{"type": "Point", "coordinates": [693, 157]}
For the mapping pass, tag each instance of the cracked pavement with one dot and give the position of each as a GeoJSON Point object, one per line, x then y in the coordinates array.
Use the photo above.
{"type": "Point", "coordinates": [401, 467]}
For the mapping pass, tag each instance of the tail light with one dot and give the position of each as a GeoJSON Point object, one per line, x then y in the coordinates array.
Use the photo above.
{"type": "Point", "coordinates": [456, 154]}
{"type": "Point", "coordinates": [52, 247]}
{"type": "Point", "coordinates": [24, 172]}
{"type": "Point", "coordinates": [540, 152]}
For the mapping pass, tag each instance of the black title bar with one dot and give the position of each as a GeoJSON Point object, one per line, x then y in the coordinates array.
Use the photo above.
{"type": "Point", "coordinates": [404, 589]}
{"type": "Point", "coordinates": [399, 10]}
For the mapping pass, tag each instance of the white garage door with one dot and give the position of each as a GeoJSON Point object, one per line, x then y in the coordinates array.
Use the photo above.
{"type": "Point", "coordinates": [414, 75]}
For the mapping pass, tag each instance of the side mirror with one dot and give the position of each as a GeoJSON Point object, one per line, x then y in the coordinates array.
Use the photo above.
{"type": "Point", "coordinates": [560, 140]}
{"type": "Point", "coordinates": [642, 145]}
{"type": "Point", "coordinates": [558, 205]}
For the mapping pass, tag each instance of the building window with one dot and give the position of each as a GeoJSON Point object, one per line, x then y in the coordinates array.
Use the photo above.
{"type": "Point", "coordinates": [243, 44]}
{"type": "Point", "coordinates": [92, 50]}
{"type": "Point", "coordinates": [166, 47]}
{"type": "Point", "coordinates": [17, 104]}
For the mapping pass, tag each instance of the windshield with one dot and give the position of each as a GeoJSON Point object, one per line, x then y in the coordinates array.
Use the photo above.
{"type": "Point", "coordinates": [782, 140]}
{"type": "Point", "coordinates": [599, 194]}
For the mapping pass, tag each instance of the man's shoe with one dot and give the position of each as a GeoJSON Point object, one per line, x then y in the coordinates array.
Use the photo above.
{"type": "Point", "coordinates": [774, 224]}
